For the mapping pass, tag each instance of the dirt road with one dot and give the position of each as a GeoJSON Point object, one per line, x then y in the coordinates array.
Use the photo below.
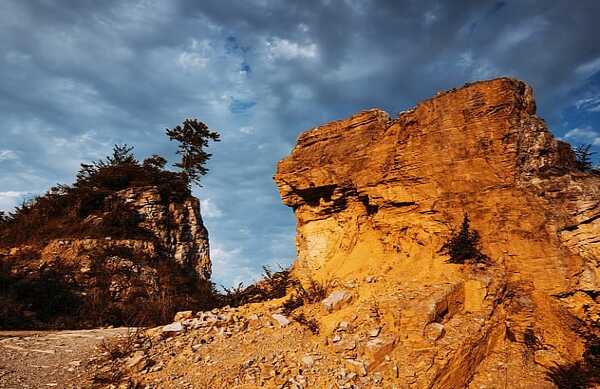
{"type": "Point", "coordinates": [32, 359]}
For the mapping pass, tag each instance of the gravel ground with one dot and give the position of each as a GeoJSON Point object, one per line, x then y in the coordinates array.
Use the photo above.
{"type": "Point", "coordinates": [30, 359]}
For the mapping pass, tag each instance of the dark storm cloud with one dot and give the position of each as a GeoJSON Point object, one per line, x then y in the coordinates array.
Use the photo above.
{"type": "Point", "coordinates": [79, 76]}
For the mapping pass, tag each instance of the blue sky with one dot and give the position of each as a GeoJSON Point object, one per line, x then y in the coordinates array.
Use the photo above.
{"type": "Point", "coordinates": [77, 77]}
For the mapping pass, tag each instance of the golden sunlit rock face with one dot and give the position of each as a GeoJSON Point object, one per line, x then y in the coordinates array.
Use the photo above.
{"type": "Point", "coordinates": [376, 197]}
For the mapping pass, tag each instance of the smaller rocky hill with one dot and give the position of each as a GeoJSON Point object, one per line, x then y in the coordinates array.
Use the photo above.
{"type": "Point", "coordinates": [125, 244]}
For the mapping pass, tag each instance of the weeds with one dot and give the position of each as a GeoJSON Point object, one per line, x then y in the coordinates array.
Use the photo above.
{"type": "Point", "coordinates": [573, 376]}
{"type": "Point", "coordinates": [115, 350]}
{"type": "Point", "coordinates": [583, 158]}
{"type": "Point", "coordinates": [236, 295]}
{"type": "Point", "coordinates": [375, 311]}
{"type": "Point", "coordinates": [28, 300]}
{"type": "Point", "coordinates": [311, 324]}
{"type": "Point", "coordinates": [273, 284]}
{"type": "Point", "coordinates": [531, 341]}
{"type": "Point", "coordinates": [300, 296]}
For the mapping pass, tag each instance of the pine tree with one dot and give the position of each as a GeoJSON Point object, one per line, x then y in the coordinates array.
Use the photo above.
{"type": "Point", "coordinates": [464, 245]}
{"type": "Point", "coordinates": [193, 137]}
{"type": "Point", "coordinates": [583, 157]}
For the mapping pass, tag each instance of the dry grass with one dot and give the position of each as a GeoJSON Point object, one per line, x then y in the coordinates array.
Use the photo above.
{"type": "Point", "coordinates": [272, 285]}
{"type": "Point", "coordinates": [114, 351]}
{"type": "Point", "coordinates": [311, 324]}
{"type": "Point", "coordinates": [312, 293]}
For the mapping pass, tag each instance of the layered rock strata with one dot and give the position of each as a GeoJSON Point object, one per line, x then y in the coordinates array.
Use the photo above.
{"type": "Point", "coordinates": [374, 194]}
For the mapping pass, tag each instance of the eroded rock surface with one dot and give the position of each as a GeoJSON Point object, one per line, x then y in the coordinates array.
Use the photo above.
{"type": "Point", "coordinates": [374, 194]}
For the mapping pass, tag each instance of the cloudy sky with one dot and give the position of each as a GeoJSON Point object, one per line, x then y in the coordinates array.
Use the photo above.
{"type": "Point", "coordinates": [78, 76]}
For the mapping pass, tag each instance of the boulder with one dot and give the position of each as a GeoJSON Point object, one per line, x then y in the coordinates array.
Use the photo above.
{"type": "Point", "coordinates": [281, 319]}
{"type": "Point", "coordinates": [183, 315]}
{"type": "Point", "coordinates": [336, 300]}
{"type": "Point", "coordinates": [434, 331]}
{"type": "Point", "coordinates": [173, 328]}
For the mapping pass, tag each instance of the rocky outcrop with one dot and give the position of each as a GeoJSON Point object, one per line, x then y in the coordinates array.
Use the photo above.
{"type": "Point", "coordinates": [178, 227]}
{"type": "Point", "coordinates": [161, 267]}
{"type": "Point", "coordinates": [374, 194]}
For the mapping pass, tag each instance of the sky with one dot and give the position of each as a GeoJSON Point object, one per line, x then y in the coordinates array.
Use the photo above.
{"type": "Point", "coordinates": [77, 77]}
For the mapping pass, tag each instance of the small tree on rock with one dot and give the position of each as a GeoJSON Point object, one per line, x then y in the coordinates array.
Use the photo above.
{"type": "Point", "coordinates": [193, 137]}
{"type": "Point", "coordinates": [463, 245]}
{"type": "Point", "coordinates": [583, 157]}
{"type": "Point", "coordinates": [154, 162]}
{"type": "Point", "coordinates": [122, 154]}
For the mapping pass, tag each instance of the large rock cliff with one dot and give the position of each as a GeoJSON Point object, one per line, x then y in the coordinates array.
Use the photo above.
{"type": "Point", "coordinates": [161, 265]}
{"type": "Point", "coordinates": [379, 196]}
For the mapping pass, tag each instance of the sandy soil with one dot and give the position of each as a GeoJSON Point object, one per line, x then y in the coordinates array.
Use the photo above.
{"type": "Point", "coordinates": [44, 359]}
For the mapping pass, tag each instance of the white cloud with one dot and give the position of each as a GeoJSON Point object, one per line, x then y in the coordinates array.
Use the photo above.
{"type": "Point", "coordinates": [196, 57]}
{"type": "Point", "coordinates": [430, 17]}
{"type": "Point", "coordinates": [209, 209]}
{"type": "Point", "coordinates": [589, 68]}
{"type": "Point", "coordinates": [249, 130]}
{"type": "Point", "coordinates": [301, 91]}
{"type": "Point", "coordinates": [6, 155]}
{"type": "Point", "coordinates": [478, 68]}
{"type": "Point", "coordinates": [303, 27]}
{"type": "Point", "coordinates": [586, 135]}
{"type": "Point", "coordinates": [10, 199]}
{"type": "Point", "coordinates": [189, 60]}
{"type": "Point", "coordinates": [285, 49]}
{"type": "Point", "coordinates": [68, 93]}
{"type": "Point", "coordinates": [222, 257]}
{"type": "Point", "coordinates": [591, 104]}
{"type": "Point", "coordinates": [517, 34]}
{"type": "Point", "coordinates": [228, 268]}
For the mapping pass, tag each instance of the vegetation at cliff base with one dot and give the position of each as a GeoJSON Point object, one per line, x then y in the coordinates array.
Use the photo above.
{"type": "Point", "coordinates": [582, 374]}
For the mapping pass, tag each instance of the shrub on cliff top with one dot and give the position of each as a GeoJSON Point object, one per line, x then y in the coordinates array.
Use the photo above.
{"type": "Point", "coordinates": [62, 210]}
{"type": "Point", "coordinates": [463, 246]}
